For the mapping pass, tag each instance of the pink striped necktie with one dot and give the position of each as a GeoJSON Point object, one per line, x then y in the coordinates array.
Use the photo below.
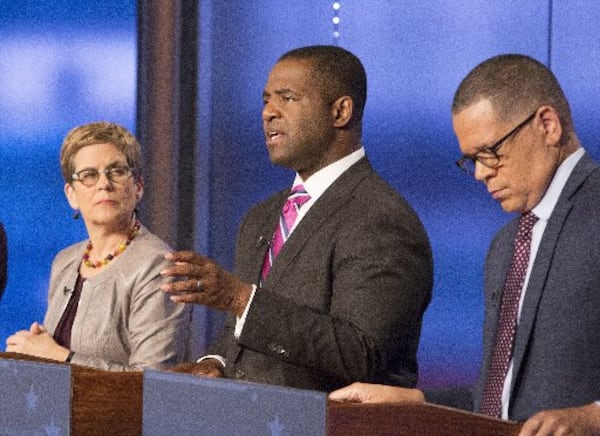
{"type": "Point", "coordinates": [507, 322]}
{"type": "Point", "coordinates": [288, 217]}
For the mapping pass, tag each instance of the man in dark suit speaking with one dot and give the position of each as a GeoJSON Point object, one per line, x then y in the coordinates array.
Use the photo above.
{"type": "Point", "coordinates": [332, 276]}
{"type": "Point", "coordinates": [541, 347]}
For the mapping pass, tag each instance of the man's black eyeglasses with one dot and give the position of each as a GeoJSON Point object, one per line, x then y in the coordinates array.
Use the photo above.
{"type": "Point", "coordinates": [489, 156]}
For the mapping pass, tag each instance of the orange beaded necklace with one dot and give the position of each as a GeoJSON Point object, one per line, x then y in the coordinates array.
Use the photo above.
{"type": "Point", "coordinates": [121, 248]}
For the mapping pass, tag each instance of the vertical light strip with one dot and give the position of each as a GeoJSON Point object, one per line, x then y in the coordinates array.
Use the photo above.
{"type": "Point", "coordinates": [336, 6]}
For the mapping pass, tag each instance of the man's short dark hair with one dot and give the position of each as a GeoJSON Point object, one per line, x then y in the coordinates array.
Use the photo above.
{"type": "Point", "coordinates": [516, 85]}
{"type": "Point", "coordinates": [337, 72]}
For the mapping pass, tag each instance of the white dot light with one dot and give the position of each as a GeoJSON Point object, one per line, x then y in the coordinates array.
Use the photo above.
{"type": "Point", "coordinates": [336, 6]}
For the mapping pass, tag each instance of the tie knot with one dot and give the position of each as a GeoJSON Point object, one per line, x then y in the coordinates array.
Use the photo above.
{"type": "Point", "coordinates": [527, 221]}
{"type": "Point", "coordinates": [298, 196]}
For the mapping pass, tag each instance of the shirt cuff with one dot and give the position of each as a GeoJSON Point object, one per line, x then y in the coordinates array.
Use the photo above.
{"type": "Point", "coordinates": [239, 324]}
{"type": "Point", "coordinates": [213, 356]}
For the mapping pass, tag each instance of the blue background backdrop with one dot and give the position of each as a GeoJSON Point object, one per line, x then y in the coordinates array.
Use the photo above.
{"type": "Point", "coordinates": [64, 63]}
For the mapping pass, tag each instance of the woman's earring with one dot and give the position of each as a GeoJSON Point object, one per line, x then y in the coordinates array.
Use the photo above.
{"type": "Point", "coordinates": [76, 215]}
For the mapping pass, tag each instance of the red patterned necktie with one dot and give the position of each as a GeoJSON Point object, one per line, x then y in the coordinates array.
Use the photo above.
{"type": "Point", "coordinates": [507, 323]}
{"type": "Point", "coordinates": [288, 217]}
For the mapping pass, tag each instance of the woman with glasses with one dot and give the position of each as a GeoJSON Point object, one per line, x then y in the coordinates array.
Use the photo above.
{"type": "Point", "coordinates": [105, 309]}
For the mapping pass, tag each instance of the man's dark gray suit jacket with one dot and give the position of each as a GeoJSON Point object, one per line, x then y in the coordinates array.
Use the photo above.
{"type": "Point", "coordinates": [345, 297]}
{"type": "Point", "coordinates": [557, 345]}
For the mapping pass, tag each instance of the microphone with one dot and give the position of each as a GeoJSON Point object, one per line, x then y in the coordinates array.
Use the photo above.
{"type": "Point", "coordinates": [495, 295]}
{"type": "Point", "coordinates": [262, 241]}
{"type": "Point", "coordinates": [67, 291]}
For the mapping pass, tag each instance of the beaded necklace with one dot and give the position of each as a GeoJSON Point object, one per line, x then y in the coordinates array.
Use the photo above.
{"type": "Point", "coordinates": [121, 248]}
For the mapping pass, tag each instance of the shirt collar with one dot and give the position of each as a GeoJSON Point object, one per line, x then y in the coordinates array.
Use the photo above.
{"type": "Point", "coordinates": [318, 183]}
{"type": "Point", "coordinates": [544, 208]}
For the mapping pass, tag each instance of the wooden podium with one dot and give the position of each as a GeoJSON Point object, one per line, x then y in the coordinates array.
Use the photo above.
{"type": "Point", "coordinates": [105, 402]}
{"type": "Point", "coordinates": [411, 420]}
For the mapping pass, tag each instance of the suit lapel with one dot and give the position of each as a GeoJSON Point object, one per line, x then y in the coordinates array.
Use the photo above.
{"type": "Point", "coordinates": [543, 260]}
{"type": "Point", "coordinates": [249, 264]}
{"type": "Point", "coordinates": [271, 221]}
{"type": "Point", "coordinates": [497, 277]}
{"type": "Point", "coordinates": [333, 199]}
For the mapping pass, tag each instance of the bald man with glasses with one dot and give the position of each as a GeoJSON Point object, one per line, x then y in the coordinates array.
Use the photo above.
{"type": "Point", "coordinates": [541, 335]}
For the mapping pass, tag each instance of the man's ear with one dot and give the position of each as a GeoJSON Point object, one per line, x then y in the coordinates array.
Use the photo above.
{"type": "Point", "coordinates": [343, 109]}
{"type": "Point", "coordinates": [551, 124]}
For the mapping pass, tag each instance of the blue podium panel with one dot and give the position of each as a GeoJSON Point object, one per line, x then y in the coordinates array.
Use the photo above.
{"type": "Point", "coordinates": [35, 398]}
{"type": "Point", "coordinates": [183, 404]}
